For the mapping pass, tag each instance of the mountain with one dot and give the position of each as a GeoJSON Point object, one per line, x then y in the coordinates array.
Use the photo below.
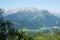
{"type": "Point", "coordinates": [32, 18]}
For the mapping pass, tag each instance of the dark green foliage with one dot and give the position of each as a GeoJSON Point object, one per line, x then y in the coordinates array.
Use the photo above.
{"type": "Point", "coordinates": [2, 26]}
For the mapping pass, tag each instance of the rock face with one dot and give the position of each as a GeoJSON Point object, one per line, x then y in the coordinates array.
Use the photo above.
{"type": "Point", "coordinates": [33, 18]}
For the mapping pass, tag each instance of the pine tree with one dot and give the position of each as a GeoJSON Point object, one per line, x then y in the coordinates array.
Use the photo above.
{"type": "Point", "coordinates": [2, 26]}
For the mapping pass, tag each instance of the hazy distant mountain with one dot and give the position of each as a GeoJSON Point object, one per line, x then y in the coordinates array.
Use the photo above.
{"type": "Point", "coordinates": [32, 18]}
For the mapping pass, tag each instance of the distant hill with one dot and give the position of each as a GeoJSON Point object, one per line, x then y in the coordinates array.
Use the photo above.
{"type": "Point", "coordinates": [32, 18]}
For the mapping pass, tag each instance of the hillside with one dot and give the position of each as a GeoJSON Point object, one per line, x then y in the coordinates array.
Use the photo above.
{"type": "Point", "coordinates": [33, 18]}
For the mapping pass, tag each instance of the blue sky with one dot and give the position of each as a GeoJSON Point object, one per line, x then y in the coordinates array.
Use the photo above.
{"type": "Point", "coordinates": [51, 5]}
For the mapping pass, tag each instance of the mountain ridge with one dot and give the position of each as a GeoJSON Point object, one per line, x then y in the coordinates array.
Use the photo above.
{"type": "Point", "coordinates": [33, 19]}
{"type": "Point", "coordinates": [32, 9]}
